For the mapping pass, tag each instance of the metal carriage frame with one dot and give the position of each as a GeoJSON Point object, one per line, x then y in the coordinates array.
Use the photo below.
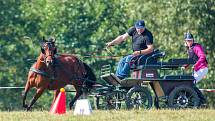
{"type": "Point", "coordinates": [170, 90]}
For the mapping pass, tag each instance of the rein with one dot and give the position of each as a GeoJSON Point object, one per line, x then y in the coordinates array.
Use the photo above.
{"type": "Point", "coordinates": [94, 54]}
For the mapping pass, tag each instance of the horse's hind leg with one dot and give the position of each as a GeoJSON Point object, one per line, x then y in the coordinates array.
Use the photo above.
{"type": "Point", "coordinates": [79, 92]}
{"type": "Point", "coordinates": [56, 92]}
{"type": "Point", "coordinates": [36, 96]}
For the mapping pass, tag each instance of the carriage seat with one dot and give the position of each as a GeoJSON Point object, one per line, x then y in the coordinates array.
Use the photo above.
{"type": "Point", "coordinates": [181, 61]}
{"type": "Point", "coordinates": [178, 77]}
{"type": "Point", "coordinates": [175, 63]}
{"type": "Point", "coordinates": [151, 61]}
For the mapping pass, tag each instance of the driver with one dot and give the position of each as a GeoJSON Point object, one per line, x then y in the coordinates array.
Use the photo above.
{"type": "Point", "coordinates": [142, 44]}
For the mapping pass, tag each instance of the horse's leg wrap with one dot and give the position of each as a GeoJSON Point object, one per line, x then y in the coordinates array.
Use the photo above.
{"type": "Point", "coordinates": [34, 99]}
{"type": "Point", "coordinates": [24, 94]}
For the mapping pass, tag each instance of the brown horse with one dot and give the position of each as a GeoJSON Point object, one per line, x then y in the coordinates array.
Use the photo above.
{"type": "Point", "coordinates": [54, 72]}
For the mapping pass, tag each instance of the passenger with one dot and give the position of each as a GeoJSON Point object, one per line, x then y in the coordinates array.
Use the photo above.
{"type": "Point", "coordinates": [196, 52]}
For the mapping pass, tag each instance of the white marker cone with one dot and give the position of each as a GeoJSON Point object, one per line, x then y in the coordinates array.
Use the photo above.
{"type": "Point", "coordinates": [83, 107]}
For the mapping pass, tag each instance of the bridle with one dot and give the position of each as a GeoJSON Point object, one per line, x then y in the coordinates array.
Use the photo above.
{"type": "Point", "coordinates": [50, 47]}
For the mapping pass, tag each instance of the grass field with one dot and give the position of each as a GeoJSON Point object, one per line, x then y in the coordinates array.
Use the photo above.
{"type": "Point", "coordinates": [122, 115]}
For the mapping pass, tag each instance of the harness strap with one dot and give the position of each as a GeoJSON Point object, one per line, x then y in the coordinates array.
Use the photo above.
{"type": "Point", "coordinates": [39, 72]}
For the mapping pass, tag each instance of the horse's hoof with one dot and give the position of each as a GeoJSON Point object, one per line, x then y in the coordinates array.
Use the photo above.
{"type": "Point", "coordinates": [70, 106]}
{"type": "Point", "coordinates": [25, 106]}
{"type": "Point", "coordinates": [28, 109]}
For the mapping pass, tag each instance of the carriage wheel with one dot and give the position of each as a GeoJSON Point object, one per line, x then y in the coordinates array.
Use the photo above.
{"type": "Point", "coordinates": [112, 101]}
{"type": "Point", "coordinates": [109, 101]}
{"type": "Point", "coordinates": [99, 104]}
{"type": "Point", "coordinates": [183, 97]}
{"type": "Point", "coordinates": [138, 97]}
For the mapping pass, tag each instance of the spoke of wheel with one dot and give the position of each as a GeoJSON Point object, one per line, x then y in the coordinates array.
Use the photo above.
{"type": "Point", "coordinates": [145, 104]}
{"type": "Point", "coordinates": [185, 93]}
{"type": "Point", "coordinates": [191, 104]}
{"type": "Point", "coordinates": [175, 101]}
{"type": "Point", "coordinates": [189, 98]}
{"type": "Point", "coordinates": [180, 93]}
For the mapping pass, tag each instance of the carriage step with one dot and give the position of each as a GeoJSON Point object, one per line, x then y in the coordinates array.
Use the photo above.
{"type": "Point", "coordinates": [111, 79]}
{"type": "Point", "coordinates": [130, 82]}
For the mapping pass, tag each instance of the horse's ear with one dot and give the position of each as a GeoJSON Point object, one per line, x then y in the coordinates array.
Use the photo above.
{"type": "Point", "coordinates": [41, 43]}
{"type": "Point", "coordinates": [44, 39]}
{"type": "Point", "coordinates": [42, 50]}
{"type": "Point", "coordinates": [52, 39]}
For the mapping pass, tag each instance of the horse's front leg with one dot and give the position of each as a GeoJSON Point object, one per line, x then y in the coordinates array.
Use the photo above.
{"type": "Point", "coordinates": [36, 96]}
{"type": "Point", "coordinates": [79, 92]}
{"type": "Point", "coordinates": [24, 94]}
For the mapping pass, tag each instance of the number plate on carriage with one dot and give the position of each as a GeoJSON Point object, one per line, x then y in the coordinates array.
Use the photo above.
{"type": "Point", "coordinates": [150, 75]}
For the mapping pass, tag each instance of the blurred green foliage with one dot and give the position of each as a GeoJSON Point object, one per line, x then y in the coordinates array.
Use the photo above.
{"type": "Point", "coordinates": [83, 28]}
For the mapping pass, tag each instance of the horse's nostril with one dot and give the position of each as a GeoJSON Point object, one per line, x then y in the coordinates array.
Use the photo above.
{"type": "Point", "coordinates": [49, 62]}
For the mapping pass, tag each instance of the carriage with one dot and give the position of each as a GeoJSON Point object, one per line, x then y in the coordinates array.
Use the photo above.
{"type": "Point", "coordinates": [170, 86]}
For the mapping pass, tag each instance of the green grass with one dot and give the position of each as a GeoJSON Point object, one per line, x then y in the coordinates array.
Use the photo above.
{"type": "Point", "coordinates": [122, 115]}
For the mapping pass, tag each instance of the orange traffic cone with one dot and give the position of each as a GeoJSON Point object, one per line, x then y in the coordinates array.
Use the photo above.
{"type": "Point", "coordinates": [59, 105]}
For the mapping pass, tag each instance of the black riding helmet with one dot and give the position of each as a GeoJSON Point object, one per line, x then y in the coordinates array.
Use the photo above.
{"type": "Point", "coordinates": [188, 36]}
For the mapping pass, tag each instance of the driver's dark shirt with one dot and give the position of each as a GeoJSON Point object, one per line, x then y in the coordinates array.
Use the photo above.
{"type": "Point", "coordinates": [140, 41]}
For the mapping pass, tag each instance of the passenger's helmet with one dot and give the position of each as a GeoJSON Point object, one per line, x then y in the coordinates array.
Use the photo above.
{"type": "Point", "coordinates": [188, 36]}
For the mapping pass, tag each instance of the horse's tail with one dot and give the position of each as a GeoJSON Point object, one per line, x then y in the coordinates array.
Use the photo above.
{"type": "Point", "coordinates": [91, 77]}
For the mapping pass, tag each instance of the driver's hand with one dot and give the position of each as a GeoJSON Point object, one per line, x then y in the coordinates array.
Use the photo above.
{"type": "Point", "coordinates": [135, 53]}
{"type": "Point", "coordinates": [109, 44]}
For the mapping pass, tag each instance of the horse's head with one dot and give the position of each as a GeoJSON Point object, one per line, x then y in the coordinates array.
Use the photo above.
{"type": "Point", "coordinates": [48, 49]}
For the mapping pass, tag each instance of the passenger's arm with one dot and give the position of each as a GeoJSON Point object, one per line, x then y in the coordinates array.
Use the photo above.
{"type": "Point", "coordinates": [198, 50]}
